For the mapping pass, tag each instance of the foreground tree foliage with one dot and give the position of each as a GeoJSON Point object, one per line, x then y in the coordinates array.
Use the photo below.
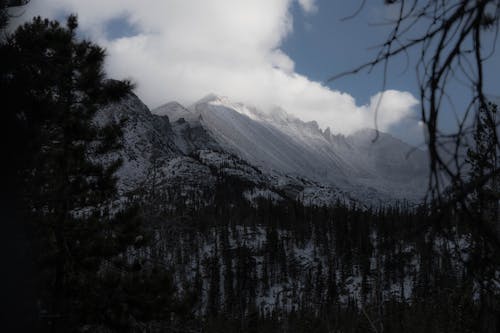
{"type": "Point", "coordinates": [53, 84]}
{"type": "Point", "coordinates": [453, 40]}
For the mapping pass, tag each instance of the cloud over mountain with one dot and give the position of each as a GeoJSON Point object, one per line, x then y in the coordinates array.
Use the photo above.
{"type": "Point", "coordinates": [184, 49]}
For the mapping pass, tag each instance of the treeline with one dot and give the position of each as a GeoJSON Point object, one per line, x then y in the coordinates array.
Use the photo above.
{"type": "Point", "coordinates": [283, 266]}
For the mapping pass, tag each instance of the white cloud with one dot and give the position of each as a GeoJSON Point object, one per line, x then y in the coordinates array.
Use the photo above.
{"type": "Point", "coordinates": [392, 106]}
{"type": "Point", "coordinates": [185, 49]}
{"type": "Point", "coordinates": [309, 6]}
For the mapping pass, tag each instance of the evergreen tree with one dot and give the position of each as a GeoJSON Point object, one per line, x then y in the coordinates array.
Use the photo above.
{"type": "Point", "coordinates": [483, 161]}
{"type": "Point", "coordinates": [53, 86]}
{"type": "Point", "coordinates": [484, 209]}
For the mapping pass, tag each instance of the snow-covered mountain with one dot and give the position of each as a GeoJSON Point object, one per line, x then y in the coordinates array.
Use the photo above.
{"type": "Point", "coordinates": [280, 144]}
{"type": "Point", "coordinates": [275, 154]}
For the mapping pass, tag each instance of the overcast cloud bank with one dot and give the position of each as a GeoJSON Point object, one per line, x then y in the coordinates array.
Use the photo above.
{"type": "Point", "coordinates": [184, 49]}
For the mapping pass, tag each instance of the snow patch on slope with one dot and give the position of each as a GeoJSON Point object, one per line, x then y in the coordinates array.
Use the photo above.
{"type": "Point", "coordinates": [278, 143]}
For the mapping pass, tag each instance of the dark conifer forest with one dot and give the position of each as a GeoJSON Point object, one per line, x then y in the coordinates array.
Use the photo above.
{"type": "Point", "coordinates": [160, 259]}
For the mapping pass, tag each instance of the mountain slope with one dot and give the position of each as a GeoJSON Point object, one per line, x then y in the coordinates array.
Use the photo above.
{"type": "Point", "coordinates": [279, 143]}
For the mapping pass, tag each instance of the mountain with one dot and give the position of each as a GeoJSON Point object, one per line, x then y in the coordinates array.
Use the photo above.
{"type": "Point", "coordinates": [259, 220]}
{"type": "Point", "coordinates": [276, 155]}
{"type": "Point", "coordinates": [281, 144]}
{"type": "Point", "coordinates": [146, 138]}
{"type": "Point", "coordinates": [200, 174]}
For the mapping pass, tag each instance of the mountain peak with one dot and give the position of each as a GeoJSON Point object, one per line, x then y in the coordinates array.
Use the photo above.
{"type": "Point", "coordinates": [173, 110]}
{"type": "Point", "coordinates": [281, 144]}
{"type": "Point", "coordinates": [213, 98]}
{"type": "Point", "coordinates": [171, 104]}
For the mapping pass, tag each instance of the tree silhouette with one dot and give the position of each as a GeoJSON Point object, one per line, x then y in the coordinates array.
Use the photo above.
{"type": "Point", "coordinates": [451, 47]}
{"type": "Point", "coordinates": [464, 171]}
{"type": "Point", "coordinates": [54, 84]}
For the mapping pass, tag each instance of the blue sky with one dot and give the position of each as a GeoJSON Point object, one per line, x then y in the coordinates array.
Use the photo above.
{"type": "Point", "coordinates": [324, 44]}
{"type": "Point", "coordinates": [266, 53]}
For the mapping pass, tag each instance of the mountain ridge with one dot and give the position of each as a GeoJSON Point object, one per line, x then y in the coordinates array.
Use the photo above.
{"type": "Point", "coordinates": [272, 152]}
{"type": "Point", "coordinates": [277, 141]}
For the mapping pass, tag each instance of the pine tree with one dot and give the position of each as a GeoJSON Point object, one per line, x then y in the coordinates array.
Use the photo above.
{"type": "Point", "coordinates": [53, 86]}
{"type": "Point", "coordinates": [483, 160]}
{"type": "Point", "coordinates": [484, 209]}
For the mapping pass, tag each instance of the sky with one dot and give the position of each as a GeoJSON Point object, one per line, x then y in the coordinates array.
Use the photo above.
{"type": "Point", "coordinates": [270, 54]}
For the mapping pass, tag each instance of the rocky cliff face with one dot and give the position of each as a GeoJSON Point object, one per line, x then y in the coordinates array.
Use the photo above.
{"type": "Point", "coordinates": [273, 153]}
